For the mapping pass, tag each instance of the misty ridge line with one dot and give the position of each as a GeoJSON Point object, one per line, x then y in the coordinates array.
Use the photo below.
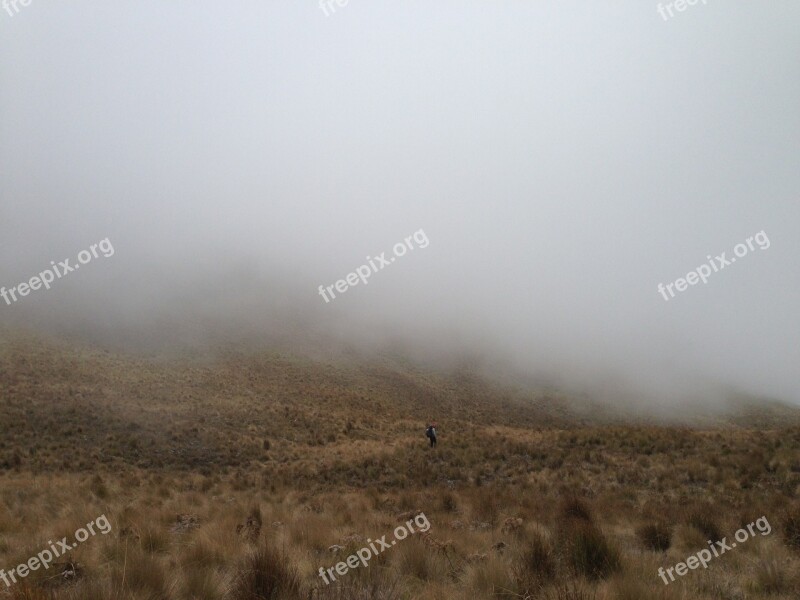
{"type": "Point", "coordinates": [46, 277]}
{"type": "Point", "coordinates": [365, 271]}
{"type": "Point", "coordinates": [703, 272]}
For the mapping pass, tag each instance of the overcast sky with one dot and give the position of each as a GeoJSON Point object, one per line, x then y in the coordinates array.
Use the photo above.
{"type": "Point", "coordinates": [562, 159]}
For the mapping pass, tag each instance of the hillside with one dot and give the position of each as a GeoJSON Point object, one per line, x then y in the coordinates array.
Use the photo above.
{"type": "Point", "coordinates": [210, 471]}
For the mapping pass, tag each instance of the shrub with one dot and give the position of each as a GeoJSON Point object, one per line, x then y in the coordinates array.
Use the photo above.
{"type": "Point", "coordinates": [791, 529]}
{"type": "Point", "coordinates": [99, 487]}
{"type": "Point", "coordinates": [589, 553]}
{"type": "Point", "coordinates": [655, 536]}
{"type": "Point", "coordinates": [266, 574]}
{"type": "Point", "coordinates": [449, 503]}
{"type": "Point", "coordinates": [255, 516]}
{"type": "Point", "coordinates": [574, 508]}
{"type": "Point", "coordinates": [704, 522]}
{"type": "Point", "coordinates": [536, 565]}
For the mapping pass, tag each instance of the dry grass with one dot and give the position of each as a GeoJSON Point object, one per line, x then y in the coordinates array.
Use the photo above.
{"type": "Point", "coordinates": [234, 480]}
{"type": "Point", "coordinates": [655, 536]}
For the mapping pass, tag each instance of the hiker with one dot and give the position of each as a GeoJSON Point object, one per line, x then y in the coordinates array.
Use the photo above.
{"type": "Point", "coordinates": [431, 433]}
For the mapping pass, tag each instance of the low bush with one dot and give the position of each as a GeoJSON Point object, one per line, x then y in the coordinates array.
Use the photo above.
{"type": "Point", "coordinates": [655, 536]}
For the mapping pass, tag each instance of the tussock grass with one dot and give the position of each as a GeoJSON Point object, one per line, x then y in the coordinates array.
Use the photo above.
{"type": "Point", "coordinates": [266, 574]}
{"type": "Point", "coordinates": [655, 536]}
{"type": "Point", "coordinates": [791, 529]}
{"type": "Point", "coordinates": [281, 466]}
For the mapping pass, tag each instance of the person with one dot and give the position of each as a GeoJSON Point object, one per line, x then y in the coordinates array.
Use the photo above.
{"type": "Point", "coordinates": [431, 433]}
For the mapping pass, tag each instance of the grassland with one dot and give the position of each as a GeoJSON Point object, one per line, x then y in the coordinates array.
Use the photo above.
{"type": "Point", "coordinates": [239, 476]}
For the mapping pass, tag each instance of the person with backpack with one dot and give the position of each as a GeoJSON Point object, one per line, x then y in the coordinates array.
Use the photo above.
{"type": "Point", "coordinates": [430, 431]}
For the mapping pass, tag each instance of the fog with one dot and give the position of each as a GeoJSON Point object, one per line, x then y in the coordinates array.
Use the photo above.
{"type": "Point", "coordinates": [562, 160]}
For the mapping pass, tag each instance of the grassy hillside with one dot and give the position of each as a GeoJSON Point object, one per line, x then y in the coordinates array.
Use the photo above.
{"type": "Point", "coordinates": [240, 477]}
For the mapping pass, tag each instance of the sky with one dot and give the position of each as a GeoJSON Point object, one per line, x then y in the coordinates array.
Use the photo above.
{"type": "Point", "coordinates": [561, 159]}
